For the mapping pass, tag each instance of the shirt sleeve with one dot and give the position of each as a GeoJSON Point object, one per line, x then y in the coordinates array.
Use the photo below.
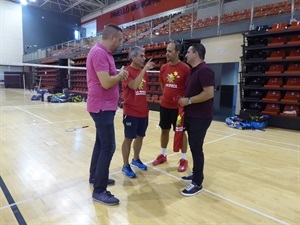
{"type": "Point", "coordinates": [207, 77]}
{"type": "Point", "coordinates": [101, 62]}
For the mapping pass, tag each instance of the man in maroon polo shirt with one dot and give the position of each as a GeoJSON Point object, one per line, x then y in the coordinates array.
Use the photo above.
{"type": "Point", "coordinates": [198, 107]}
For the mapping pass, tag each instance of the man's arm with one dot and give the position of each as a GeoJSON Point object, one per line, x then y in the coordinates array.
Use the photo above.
{"type": "Point", "coordinates": [108, 81]}
{"type": "Point", "coordinates": [207, 93]}
{"type": "Point", "coordinates": [134, 84]}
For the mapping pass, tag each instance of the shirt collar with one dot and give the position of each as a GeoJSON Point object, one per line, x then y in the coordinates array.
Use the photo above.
{"type": "Point", "coordinates": [104, 48]}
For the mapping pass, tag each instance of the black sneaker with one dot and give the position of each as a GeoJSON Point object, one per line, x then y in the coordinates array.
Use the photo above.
{"type": "Point", "coordinates": [191, 190]}
{"type": "Point", "coordinates": [188, 177]}
{"type": "Point", "coordinates": [105, 198]}
{"type": "Point", "coordinates": [109, 182]}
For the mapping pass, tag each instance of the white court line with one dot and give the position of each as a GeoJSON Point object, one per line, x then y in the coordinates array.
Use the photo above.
{"type": "Point", "coordinates": [177, 178]}
{"type": "Point", "coordinates": [269, 145]}
{"type": "Point", "coordinates": [248, 208]}
{"type": "Point", "coordinates": [229, 200]}
{"type": "Point", "coordinates": [259, 138]}
{"type": "Point", "coordinates": [33, 114]}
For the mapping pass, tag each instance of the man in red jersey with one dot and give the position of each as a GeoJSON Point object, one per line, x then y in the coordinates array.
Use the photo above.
{"type": "Point", "coordinates": [135, 109]}
{"type": "Point", "coordinates": [172, 78]}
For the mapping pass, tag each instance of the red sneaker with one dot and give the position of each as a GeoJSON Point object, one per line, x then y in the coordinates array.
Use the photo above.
{"type": "Point", "coordinates": [183, 164]}
{"type": "Point", "coordinates": [159, 160]}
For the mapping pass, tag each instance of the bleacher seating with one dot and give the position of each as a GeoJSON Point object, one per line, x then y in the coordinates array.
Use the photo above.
{"type": "Point", "coordinates": [274, 82]}
{"type": "Point", "coordinates": [291, 96]}
{"type": "Point", "coordinates": [272, 96]}
{"type": "Point", "coordinates": [290, 111]}
{"type": "Point", "coordinates": [276, 68]}
{"type": "Point", "coordinates": [277, 55]}
{"type": "Point", "coordinates": [292, 82]}
{"type": "Point", "coordinates": [272, 109]}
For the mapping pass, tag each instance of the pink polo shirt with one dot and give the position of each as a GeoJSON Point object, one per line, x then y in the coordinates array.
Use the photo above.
{"type": "Point", "coordinates": [100, 59]}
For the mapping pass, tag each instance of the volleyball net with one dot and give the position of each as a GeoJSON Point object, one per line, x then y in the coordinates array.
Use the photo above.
{"type": "Point", "coordinates": [68, 79]}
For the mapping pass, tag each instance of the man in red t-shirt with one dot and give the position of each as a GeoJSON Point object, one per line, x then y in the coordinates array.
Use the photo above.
{"type": "Point", "coordinates": [172, 77]}
{"type": "Point", "coordinates": [135, 109]}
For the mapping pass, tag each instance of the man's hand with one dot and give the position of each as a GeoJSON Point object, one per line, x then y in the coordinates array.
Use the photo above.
{"type": "Point", "coordinates": [123, 74]}
{"type": "Point", "coordinates": [149, 65]}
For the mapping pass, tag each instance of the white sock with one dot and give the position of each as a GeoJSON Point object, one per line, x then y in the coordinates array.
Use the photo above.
{"type": "Point", "coordinates": [164, 151]}
{"type": "Point", "coordinates": [183, 156]}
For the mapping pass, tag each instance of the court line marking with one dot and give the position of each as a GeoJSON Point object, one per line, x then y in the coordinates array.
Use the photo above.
{"type": "Point", "coordinates": [33, 114]}
{"type": "Point", "coordinates": [177, 178]}
{"type": "Point", "coordinates": [163, 172]}
{"type": "Point", "coordinates": [247, 136]}
{"type": "Point", "coordinates": [14, 208]}
{"type": "Point", "coordinates": [269, 145]}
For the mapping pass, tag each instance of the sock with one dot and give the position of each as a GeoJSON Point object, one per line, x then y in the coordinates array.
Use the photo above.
{"type": "Point", "coordinates": [183, 156]}
{"type": "Point", "coordinates": [164, 151]}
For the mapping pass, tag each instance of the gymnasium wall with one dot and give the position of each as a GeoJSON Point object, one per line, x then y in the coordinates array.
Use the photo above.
{"type": "Point", "coordinates": [11, 38]}
{"type": "Point", "coordinates": [47, 28]}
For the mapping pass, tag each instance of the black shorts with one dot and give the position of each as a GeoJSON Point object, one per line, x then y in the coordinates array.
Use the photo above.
{"type": "Point", "coordinates": [168, 118]}
{"type": "Point", "coordinates": [134, 126]}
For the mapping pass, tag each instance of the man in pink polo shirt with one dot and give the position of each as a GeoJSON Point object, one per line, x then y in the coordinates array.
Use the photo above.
{"type": "Point", "coordinates": [102, 103]}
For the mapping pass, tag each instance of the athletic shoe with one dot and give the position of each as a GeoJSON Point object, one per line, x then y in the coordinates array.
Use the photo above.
{"type": "Point", "coordinates": [183, 164]}
{"type": "Point", "coordinates": [191, 190]}
{"type": "Point", "coordinates": [138, 163]}
{"type": "Point", "coordinates": [109, 182]}
{"type": "Point", "coordinates": [105, 198]}
{"type": "Point", "coordinates": [128, 171]}
{"type": "Point", "coordinates": [188, 177]}
{"type": "Point", "coordinates": [160, 159]}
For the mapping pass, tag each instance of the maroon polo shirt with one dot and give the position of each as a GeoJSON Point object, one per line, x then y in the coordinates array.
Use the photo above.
{"type": "Point", "coordinates": [201, 76]}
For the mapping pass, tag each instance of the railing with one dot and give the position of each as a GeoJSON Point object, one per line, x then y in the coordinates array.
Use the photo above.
{"type": "Point", "coordinates": [192, 18]}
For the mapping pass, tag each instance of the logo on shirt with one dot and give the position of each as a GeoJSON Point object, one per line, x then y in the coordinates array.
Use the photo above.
{"type": "Point", "coordinates": [171, 78]}
{"type": "Point", "coordinates": [140, 90]}
{"type": "Point", "coordinates": [141, 86]}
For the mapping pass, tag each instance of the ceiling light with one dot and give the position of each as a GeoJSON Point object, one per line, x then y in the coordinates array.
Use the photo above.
{"type": "Point", "coordinates": [23, 2]}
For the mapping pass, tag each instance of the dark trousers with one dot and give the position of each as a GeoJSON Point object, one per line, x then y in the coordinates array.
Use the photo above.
{"type": "Point", "coordinates": [104, 148]}
{"type": "Point", "coordinates": [196, 129]}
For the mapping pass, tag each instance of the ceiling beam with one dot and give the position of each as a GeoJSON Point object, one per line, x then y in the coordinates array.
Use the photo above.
{"type": "Point", "coordinates": [73, 5]}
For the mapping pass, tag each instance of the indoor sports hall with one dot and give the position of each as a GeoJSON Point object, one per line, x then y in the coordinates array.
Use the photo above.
{"type": "Point", "coordinates": [47, 136]}
{"type": "Point", "coordinates": [251, 176]}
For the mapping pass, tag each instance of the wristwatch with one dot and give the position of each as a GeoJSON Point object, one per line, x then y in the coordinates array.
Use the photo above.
{"type": "Point", "coordinates": [189, 101]}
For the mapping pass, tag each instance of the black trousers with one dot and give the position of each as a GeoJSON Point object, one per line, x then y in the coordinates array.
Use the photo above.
{"type": "Point", "coordinates": [104, 148]}
{"type": "Point", "coordinates": [196, 129]}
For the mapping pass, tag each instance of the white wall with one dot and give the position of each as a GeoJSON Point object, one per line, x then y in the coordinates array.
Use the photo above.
{"type": "Point", "coordinates": [11, 33]}
{"type": "Point", "coordinates": [223, 49]}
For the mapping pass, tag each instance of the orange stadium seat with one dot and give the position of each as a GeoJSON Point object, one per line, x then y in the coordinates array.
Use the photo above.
{"type": "Point", "coordinates": [275, 69]}
{"type": "Point", "coordinates": [290, 111]}
{"type": "Point", "coordinates": [277, 55]}
{"type": "Point", "coordinates": [295, 40]}
{"type": "Point", "coordinates": [293, 68]}
{"type": "Point", "coordinates": [274, 82]}
{"type": "Point", "coordinates": [294, 54]}
{"type": "Point", "coordinates": [278, 27]}
{"type": "Point", "coordinates": [271, 109]}
{"type": "Point", "coordinates": [272, 96]}
{"type": "Point", "coordinates": [277, 41]}
{"type": "Point", "coordinates": [292, 82]}
{"type": "Point", "coordinates": [295, 25]}
{"type": "Point", "coordinates": [291, 96]}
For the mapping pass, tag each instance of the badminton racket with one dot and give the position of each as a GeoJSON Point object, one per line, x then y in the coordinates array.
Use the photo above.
{"type": "Point", "coordinates": [75, 128]}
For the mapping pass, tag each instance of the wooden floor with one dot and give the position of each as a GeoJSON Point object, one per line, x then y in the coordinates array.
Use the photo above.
{"type": "Point", "coordinates": [251, 177]}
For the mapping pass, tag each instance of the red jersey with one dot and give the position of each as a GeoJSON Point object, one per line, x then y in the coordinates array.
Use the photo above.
{"type": "Point", "coordinates": [135, 103]}
{"type": "Point", "coordinates": [173, 78]}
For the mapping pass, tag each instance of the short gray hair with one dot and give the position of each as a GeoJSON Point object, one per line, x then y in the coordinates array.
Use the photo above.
{"type": "Point", "coordinates": [134, 51]}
